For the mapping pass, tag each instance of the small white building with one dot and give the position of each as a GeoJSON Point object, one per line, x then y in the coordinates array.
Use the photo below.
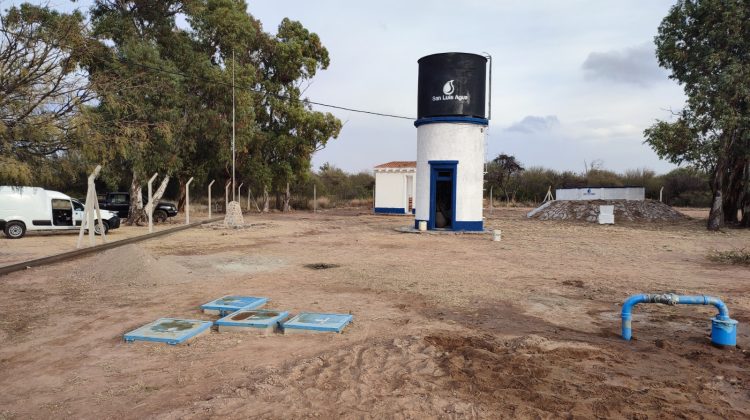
{"type": "Point", "coordinates": [607, 193]}
{"type": "Point", "coordinates": [394, 187]}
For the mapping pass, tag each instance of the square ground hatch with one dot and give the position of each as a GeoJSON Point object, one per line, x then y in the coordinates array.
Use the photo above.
{"type": "Point", "coordinates": [169, 330]}
{"type": "Point", "coordinates": [316, 322]}
{"type": "Point", "coordinates": [229, 304]}
{"type": "Point", "coordinates": [252, 320]}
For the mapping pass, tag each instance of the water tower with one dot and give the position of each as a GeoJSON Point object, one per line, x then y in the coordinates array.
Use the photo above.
{"type": "Point", "coordinates": [451, 130]}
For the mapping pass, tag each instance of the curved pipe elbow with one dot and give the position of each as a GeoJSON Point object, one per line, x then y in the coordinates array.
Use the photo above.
{"type": "Point", "coordinates": [627, 306]}
{"type": "Point", "coordinates": [705, 300]}
{"type": "Point", "coordinates": [720, 305]}
{"type": "Point", "coordinates": [627, 314]}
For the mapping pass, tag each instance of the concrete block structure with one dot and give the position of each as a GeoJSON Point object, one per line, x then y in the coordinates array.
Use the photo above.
{"type": "Point", "coordinates": [394, 187]}
{"type": "Point", "coordinates": [597, 193]}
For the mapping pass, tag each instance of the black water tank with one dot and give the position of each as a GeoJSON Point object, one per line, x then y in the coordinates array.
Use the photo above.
{"type": "Point", "coordinates": [452, 84]}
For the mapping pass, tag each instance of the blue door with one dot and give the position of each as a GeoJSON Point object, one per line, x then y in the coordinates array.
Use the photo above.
{"type": "Point", "coordinates": [442, 194]}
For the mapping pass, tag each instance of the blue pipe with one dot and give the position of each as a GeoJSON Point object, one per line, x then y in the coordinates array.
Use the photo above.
{"type": "Point", "coordinates": [723, 328]}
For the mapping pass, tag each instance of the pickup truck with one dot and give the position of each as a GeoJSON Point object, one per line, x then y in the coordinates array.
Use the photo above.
{"type": "Point", "coordinates": [119, 202]}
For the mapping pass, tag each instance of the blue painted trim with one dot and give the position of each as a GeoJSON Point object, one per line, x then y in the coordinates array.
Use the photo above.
{"type": "Point", "coordinates": [413, 210]}
{"type": "Point", "coordinates": [293, 324]}
{"type": "Point", "coordinates": [227, 322]}
{"type": "Point", "coordinates": [468, 226]}
{"type": "Point", "coordinates": [258, 302]}
{"type": "Point", "coordinates": [435, 167]}
{"type": "Point", "coordinates": [391, 210]}
{"type": "Point", "coordinates": [465, 120]}
{"type": "Point", "coordinates": [134, 336]}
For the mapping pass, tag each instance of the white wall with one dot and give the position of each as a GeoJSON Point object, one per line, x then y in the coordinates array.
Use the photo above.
{"type": "Point", "coordinates": [452, 141]}
{"type": "Point", "coordinates": [391, 189]}
{"type": "Point", "coordinates": [627, 193]}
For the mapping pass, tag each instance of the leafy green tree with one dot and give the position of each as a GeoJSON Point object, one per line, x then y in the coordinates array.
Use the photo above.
{"type": "Point", "coordinates": [705, 45]}
{"type": "Point", "coordinates": [603, 178]}
{"type": "Point", "coordinates": [334, 180]}
{"type": "Point", "coordinates": [166, 93]}
{"type": "Point", "coordinates": [534, 182]}
{"type": "Point", "coordinates": [289, 130]}
{"type": "Point", "coordinates": [42, 89]}
{"type": "Point", "coordinates": [501, 174]}
{"type": "Point", "coordinates": [137, 127]}
{"type": "Point", "coordinates": [686, 187]}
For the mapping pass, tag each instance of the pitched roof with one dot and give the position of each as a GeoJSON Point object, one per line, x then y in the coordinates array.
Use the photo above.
{"type": "Point", "coordinates": [398, 164]}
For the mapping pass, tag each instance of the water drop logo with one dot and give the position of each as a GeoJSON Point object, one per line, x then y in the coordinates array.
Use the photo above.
{"type": "Point", "coordinates": [448, 87]}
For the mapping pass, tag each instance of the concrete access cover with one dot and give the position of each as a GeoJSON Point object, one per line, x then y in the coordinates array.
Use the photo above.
{"type": "Point", "coordinates": [317, 322]}
{"type": "Point", "coordinates": [228, 304]}
{"type": "Point", "coordinates": [169, 330]}
{"type": "Point", "coordinates": [252, 320]}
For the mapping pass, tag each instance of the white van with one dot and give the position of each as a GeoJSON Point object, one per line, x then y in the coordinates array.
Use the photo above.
{"type": "Point", "coordinates": [35, 209]}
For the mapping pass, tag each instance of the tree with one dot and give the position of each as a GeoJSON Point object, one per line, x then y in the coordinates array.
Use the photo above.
{"type": "Point", "coordinates": [167, 91]}
{"type": "Point", "coordinates": [686, 187]}
{"type": "Point", "coordinates": [501, 172]}
{"type": "Point", "coordinates": [289, 130]}
{"type": "Point", "coordinates": [534, 182]}
{"type": "Point", "coordinates": [705, 45]}
{"type": "Point", "coordinates": [137, 126]}
{"type": "Point", "coordinates": [42, 89]}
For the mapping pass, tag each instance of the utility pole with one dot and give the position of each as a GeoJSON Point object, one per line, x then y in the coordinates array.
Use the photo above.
{"type": "Point", "coordinates": [233, 150]}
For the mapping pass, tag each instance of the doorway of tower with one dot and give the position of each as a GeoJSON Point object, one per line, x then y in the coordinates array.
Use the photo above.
{"type": "Point", "coordinates": [442, 194]}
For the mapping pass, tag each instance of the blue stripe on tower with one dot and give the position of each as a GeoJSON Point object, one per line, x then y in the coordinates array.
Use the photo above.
{"type": "Point", "coordinates": [469, 226]}
{"type": "Point", "coordinates": [465, 120]}
{"type": "Point", "coordinates": [390, 210]}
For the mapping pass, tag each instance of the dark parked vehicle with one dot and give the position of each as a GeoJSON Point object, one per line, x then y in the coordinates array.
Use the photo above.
{"type": "Point", "coordinates": [120, 202]}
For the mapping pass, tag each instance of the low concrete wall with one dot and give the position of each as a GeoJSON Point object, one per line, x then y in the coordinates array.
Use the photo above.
{"type": "Point", "coordinates": [625, 193]}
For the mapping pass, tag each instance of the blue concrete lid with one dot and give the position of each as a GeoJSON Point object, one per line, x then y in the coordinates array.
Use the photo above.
{"type": "Point", "coordinates": [168, 330]}
{"type": "Point", "coordinates": [235, 303]}
{"type": "Point", "coordinates": [319, 322]}
{"type": "Point", "coordinates": [255, 318]}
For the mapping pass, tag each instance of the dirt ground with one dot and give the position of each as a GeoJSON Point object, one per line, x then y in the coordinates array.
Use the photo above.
{"type": "Point", "coordinates": [445, 326]}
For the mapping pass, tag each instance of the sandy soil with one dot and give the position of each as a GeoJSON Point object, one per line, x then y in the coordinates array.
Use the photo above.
{"type": "Point", "coordinates": [45, 243]}
{"type": "Point", "coordinates": [446, 326]}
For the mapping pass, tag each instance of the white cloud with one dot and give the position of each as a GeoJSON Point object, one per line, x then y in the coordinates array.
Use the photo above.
{"type": "Point", "coordinates": [532, 123]}
{"type": "Point", "coordinates": [633, 65]}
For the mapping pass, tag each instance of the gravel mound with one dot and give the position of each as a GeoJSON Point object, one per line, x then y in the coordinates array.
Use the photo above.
{"type": "Point", "coordinates": [625, 210]}
{"type": "Point", "coordinates": [130, 265]}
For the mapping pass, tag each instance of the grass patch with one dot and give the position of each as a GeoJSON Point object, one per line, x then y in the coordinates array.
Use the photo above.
{"type": "Point", "coordinates": [739, 256]}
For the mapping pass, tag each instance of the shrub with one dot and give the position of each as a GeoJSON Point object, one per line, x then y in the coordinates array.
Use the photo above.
{"type": "Point", "coordinates": [740, 256]}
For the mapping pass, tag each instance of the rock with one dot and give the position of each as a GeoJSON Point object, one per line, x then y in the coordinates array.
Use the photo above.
{"type": "Point", "coordinates": [233, 217]}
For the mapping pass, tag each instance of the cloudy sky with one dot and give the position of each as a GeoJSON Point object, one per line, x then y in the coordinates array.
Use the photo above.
{"type": "Point", "coordinates": [573, 80]}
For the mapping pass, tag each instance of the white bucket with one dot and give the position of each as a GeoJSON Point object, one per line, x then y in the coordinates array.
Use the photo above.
{"type": "Point", "coordinates": [422, 225]}
{"type": "Point", "coordinates": [497, 235]}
